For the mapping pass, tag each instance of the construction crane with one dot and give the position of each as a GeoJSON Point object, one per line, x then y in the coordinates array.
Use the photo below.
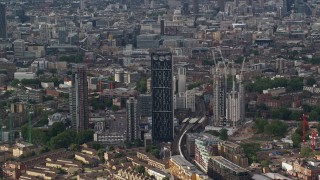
{"type": "Point", "coordinates": [314, 134]}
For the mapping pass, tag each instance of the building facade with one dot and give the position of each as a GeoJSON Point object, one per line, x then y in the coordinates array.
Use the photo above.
{"type": "Point", "coordinates": [3, 21]}
{"type": "Point", "coordinates": [132, 120]}
{"type": "Point", "coordinates": [220, 168]}
{"type": "Point", "coordinates": [182, 77]}
{"type": "Point", "coordinates": [78, 99]}
{"type": "Point", "coordinates": [162, 96]}
{"type": "Point", "coordinates": [145, 105]}
{"type": "Point", "coordinates": [219, 97]}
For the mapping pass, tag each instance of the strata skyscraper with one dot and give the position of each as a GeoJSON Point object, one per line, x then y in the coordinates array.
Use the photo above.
{"type": "Point", "coordinates": [78, 99]}
{"type": "Point", "coordinates": [162, 96]}
{"type": "Point", "coordinates": [3, 21]}
{"type": "Point", "coordinates": [132, 120]}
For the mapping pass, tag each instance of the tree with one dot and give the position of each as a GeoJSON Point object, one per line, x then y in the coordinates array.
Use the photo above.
{"type": "Point", "coordinates": [138, 143]}
{"type": "Point", "coordinates": [53, 71]}
{"type": "Point", "coordinates": [276, 128]}
{"type": "Point", "coordinates": [56, 128]}
{"type": "Point", "coordinates": [296, 139]}
{"type": "Point", "coordinates": [259, 125]}
{"type": "Point", "coordinates": [313, 115]}
{"type": "Point", "coordinates": [265, 163]}
{"type": "Point", "coordinates": [311, 81]}
{"type": "Point", "coordinates": [15, 82]}
{"type": "Point", "coordinates": [141, 85]}
{"type": "Point", "coordinates": [97, 146]}
{"type": "Point", "coordinates": [223, 134]}
{"type": "Point", "coordinates": [74, 147]}
{"type": "Point", "coordinates": [101, 154]}
{"type": "Point", "coordinates": [155, 152]}
{"type": "Point", "coordinates": [251, 149]}
{"type": "Point", "coordinates": [39, 136]}
{"type": "Point", "coordinates": [84, 136]}
{"type": "Point", "coordinates": [110, 148]}
{"type": "Point", "coordinates": [166, 178]}
{"type": "Point", "coordinates": [63, 140]}
{"type": "Point", "coordinates": [139, 169]}
{"type": "Point", "coordinates": [213, 132]}
{"type": "Point", "coordinates": [306, 152]}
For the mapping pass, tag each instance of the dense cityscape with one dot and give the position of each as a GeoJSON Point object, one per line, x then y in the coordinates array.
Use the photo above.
{"type": "Point", "coordinates": [160, 89]}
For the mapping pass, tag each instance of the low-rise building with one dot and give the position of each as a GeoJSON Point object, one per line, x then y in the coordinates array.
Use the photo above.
{"type": "Point", "coordinates": [220, 168]}
{"type": "Point", "coordinates": [86, 159]}
{"type": "Point", "coordinates": [12, 170]}
{"type": "Point", "coordinates": [180, 168]}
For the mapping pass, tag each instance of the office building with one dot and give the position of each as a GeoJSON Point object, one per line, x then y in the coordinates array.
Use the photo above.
{"type": "Point", "coordinates": [182, 77]}
{"type": "Point", "coordinates": [219, 96]}
{"type": "Point", "coordinates": [145, 105]}
{"type": "Point", "coordinates": [132, 120]}
{"type": "Point", "coordinates": [220, 168]}
{"type": "Point", "coordinates": [19, 48]}
{"type": "Point", "coordinates": [3, 21]}
{"type": "Point", "coordinates": [221, 5]}
{"type": "Point", "coordinates": [63, 35]}
{"type": "Point", "coordinates": [162, 96]}
{"type": "Point", "coordinates": [79, 108]}
{"type": "Point", "coordinates": [195, 4]}
{"type": "Point", "coordinates": [191, 100]}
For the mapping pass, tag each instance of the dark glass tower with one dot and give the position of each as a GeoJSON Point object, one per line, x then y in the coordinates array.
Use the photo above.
{"type": "Point", "coordinates": [79, 108]}
{"type": "Point", "coordinates": [162, 96]}
{"type": "Point", "coordinates": [3, 21]}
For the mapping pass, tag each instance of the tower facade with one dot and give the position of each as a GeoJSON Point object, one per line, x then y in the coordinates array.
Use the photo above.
{"type": "Point", "coordinates": [219, 96]}
{"type": "Point", "coordinates": [132, 120]}
{"type": "Point", "coordinates": [182, 77]}
{"type": "Point", "coordinates": [162, 96]}
{"type": "Point", "coordinates": [3, 21]}
{"type": "Point", "coordinates": [78, 98]}
{"type": "Point", "coordinates": [235, 108]}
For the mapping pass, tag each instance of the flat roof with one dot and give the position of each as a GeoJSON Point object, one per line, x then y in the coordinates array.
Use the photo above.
{"type": "Point", "coordinates": [193, 120]}
{"type": "Point", "coordinates": [228, 164]}
{"type": "Point", "coordinates": [185, 120]}
{"type": "Point", "coordinates": [201, 120]}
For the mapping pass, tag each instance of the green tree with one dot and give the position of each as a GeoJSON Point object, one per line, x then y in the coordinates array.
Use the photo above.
{"type": "Point", "coordinates": [101, 154]}
{"type": "Point", "coordinates": [155, 152]}
{"type": "Point", "coordinates": [166, 178]}
{"type": "Point", "coordinates": [265, 163]}
{"type": "Point", "coordinates": [15, 82]}
{"type": "Point", "coordinates": [84, 136]}
{"type": "Point", "coordinates": [56, 128]}
{"type": "Point", "coordinates": [311, 81]}
{"type": "Point", "coordinates": [213, 132]}
{"type": "Point", "coordinates": [259, 125]}
{"type": "Point", "coordinates": [63, 140]}
{"type": "Point", "coordinates": [139, 169]}
{"type": "Point", "coordinates": [110, 148]}
{"type": "Point", "coordinates": [251, 149]}
{"type": "Point", "coordinates": [53, 71]}
{"type": "Point", "coordinates": [306, 152]}
{"type": "Point", "coordinates": [39, 136]}
{"type": "Point", "coordinates": [141, 85]}
{"type": "Point", "coordinates": [97, 146]}
{"type": "Point", "coordinates": [74, 147]}
{"type": "Point", "coordinates": [223, 134]}
{"type": "Point", "coordinates": [313, 115]}
{"type": "Point", "coordinates": [296, 139]}
{"type": "Point", "coordinates": [276, 128]}
{"type": "Point", "coordinates": [138, 143]}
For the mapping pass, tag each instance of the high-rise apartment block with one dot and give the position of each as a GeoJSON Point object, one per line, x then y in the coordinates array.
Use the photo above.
{"type": "Point", "coordinates": [3, 21]}
{"type": "Point", "coordinates": [162, 96]}
{"type": "Point", "coordinates": [132, 119]}
{"type": "Point", "coordinates": [235, 105]}
{"type": "Point", "coordinates": [78, 99]}
{"type": "Point", "coordinates": [219, 96]}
